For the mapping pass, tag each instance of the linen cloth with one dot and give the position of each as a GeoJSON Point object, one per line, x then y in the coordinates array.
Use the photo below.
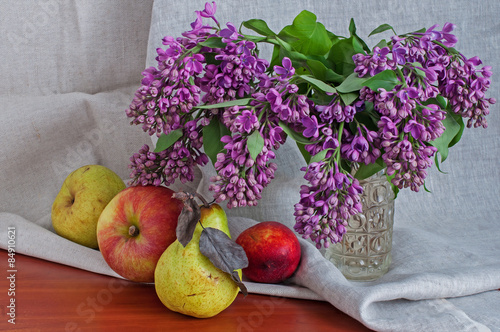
{"type": "Point", "coordinates": [70, 68]}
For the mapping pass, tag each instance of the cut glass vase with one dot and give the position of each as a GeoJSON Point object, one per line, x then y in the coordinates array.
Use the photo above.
{"type": "Point", "coordinates": [364, 254]}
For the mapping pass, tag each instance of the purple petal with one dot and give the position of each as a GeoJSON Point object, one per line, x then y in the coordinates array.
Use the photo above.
{"type": "Point", "coordinates": [448, 27]}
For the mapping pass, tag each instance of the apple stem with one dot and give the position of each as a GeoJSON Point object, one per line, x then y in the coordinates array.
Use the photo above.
{"type": "Point", "coordinates": [133, 231]}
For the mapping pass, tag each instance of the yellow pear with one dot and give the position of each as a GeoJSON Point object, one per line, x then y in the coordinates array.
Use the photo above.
{"type": "Point", "coordinates": [187, 282]}
{"type": "Point", "coordinates": [78, 205]}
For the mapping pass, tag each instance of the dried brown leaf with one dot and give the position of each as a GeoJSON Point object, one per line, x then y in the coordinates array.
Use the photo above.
{"type": "Point", "coordinates": [188, 218]}
{"type": "Point", "coordinates": [224, 253]}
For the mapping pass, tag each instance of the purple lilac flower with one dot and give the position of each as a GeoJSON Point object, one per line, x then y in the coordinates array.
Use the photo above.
{"type": "Point", "coordinates": [175, 162]}
{"type": "Point", "coordinates": [408, 121]}
{"type": "Point", "coordinates": [240, 179]}
{"type": "Point", "coordinates": [465, 87]}
{"type": "Point", "coordinates": [373, 64]}
{"type": "Point", "coordinates": [449, 39]}
{"type": "Point", "coordinates": [454, 76]}
{"type": "Point", "coordinates": [147, 167]}
{"type": "Point", "coordinates": [286, 71]}
{"type": "Point", "coordinates": [246, 122]}
{"type": "Point", "coordinates": [311, 127]}
{"type": "Point", "coordinates": [407, 162]}
{"type": "Point", "coordinates": [326, 204]}
{"type": "Point", "coordinates": [364, 147]}
{"type": "Point", "coordinates": [233, 78]}
{"type": "Point", "coordinates": [398, 54]}
{"type": "Point", "coordinates": [336, 111]}
{"type": "Point", "coordinates": [209, 11]}
{"type": "Point", "coordinates": [163, 102]}
{"type": "Point", "coordinates": [230, 33]}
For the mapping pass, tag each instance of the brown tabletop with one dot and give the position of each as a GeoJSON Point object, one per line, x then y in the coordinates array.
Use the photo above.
{"type": "Point", "coordinates": [52, 297]}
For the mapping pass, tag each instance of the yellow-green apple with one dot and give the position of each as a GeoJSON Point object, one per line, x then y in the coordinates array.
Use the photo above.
{"type": "Point", "coordinates": [135, 228]}
{"type": "Point", "coordinates": [273, 252]}
{"type": "Point", "coordinates": [83, 195]}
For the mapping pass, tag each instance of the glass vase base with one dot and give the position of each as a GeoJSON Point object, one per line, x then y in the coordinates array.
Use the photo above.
{"type": "Point", "coordinates": [357, 268]}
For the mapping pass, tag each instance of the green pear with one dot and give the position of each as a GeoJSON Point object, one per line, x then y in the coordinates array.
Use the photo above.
{"type": "Point", "coordinates": [187, 282]}
{"type": "Point", "coordinates": [78, 205]}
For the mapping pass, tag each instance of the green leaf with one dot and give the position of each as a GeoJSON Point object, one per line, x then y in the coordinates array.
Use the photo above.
{"type": "Point", "coordinates": [305, 153]}
{"type": "Point", "coordinates": [386, 80]}
{"type": "Point", "coordinates": [442, 143]}
{"type": "Point", "coordinates": [441, 101]}
{"type": "Point", "coordinates": [458, 118]}
{"type": "Point", "coordinates": [259, 26]}
{"type": "Point", "coordinates": [358, 43]}
{"type": "Point", "coordinates": [165, 141]}
{"type": "Point", "coordinates": [352, 27]}
{"type": "Point", "coordinates": [417, 66]}
{"type": "Point", "coordinates": [382, 43]}
{"type": "Point", "coordinates": [319, 156]}
{"type": "Point", "coordinates": [320, 70]}
{"type": "Point", "coordinates": [236, 102]}
{"type": "Point", "coordinates": [352, 83]}
{"type": "Point", "coordinates": [395, 189]}
{"type": "Point", "coordinates": [306, 35]}
{"type": "Point", "coordinates": [318, 84]}
{"type": "Point", "coordinates": [436, 160]}
{"type": "Point", "coordinates": [321, 99]}
{"type": "Point", "coordinates": [296, 57]}
{"type": "Point", "coordinates": [333, 37]}
{"type": "Point", "coordinates": [212, 134]}
{"type": "Point", "coordinates": [210, 59]}
{"type": "Point", "coordinates": [366, 170]}
{"type": "Point", "coordinates": [349, 98]}
{"type": "Point", "coordinates": [255, 143]}
{"type": "Point", "coordinates": [369, 117]}
{"type": "Point", "coordinates": [382, 28]}
{"type": "Point", "coordinates": [275, 57]}
{"type": "Point", "coordinates": [283, 49]}
{"type": "Point", "coordinates": [340, 55]}
{"type": "Point", "coordinates": [425, 188]}
{"type": "Point", "coordinates": [297, 137]}
{"type": "Point", "coordinates": [213, 42]}
{"type": "Point", "coordinates": [255, 39]}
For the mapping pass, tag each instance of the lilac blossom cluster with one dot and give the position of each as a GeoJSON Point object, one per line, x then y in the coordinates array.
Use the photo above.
{"type": "Point", "coordinates": [327, 203]}
{"type": "Point", "coordinates": [167, 99]}
{"type": "Point", "coordinates": [233, 76]}
{"type": "Point", "coordinates": [165, 102]}
{"type": "Point", "coordinates": [241, 178]}
{"type": "Point", "coordinates": [169, 96]}
{"type": "Point", "coordinates": [333, 194]}
{"type": "Point", "coordinates": [410, 116]}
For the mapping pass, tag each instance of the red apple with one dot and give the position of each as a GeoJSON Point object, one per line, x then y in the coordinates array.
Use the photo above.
{"type": "Point", "coordinates": [273, 252]}
{"type": "Point", "coordinates": [135, 228]}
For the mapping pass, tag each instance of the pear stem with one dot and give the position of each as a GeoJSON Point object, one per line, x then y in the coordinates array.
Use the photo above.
{"type": "Point", "coordinates": [133, 231]}
{"type": "Point", "coordinates": [203, 200]}
{"type": "Point", "coordinates": [184, 196]}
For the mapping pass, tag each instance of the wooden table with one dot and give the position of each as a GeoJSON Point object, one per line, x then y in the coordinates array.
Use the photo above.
{"type": "Point", "coordinates": [54, 297]}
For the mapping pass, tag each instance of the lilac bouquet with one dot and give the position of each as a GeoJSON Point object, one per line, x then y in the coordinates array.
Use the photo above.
{"type": "Point", "coordinates": [352, 111]}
